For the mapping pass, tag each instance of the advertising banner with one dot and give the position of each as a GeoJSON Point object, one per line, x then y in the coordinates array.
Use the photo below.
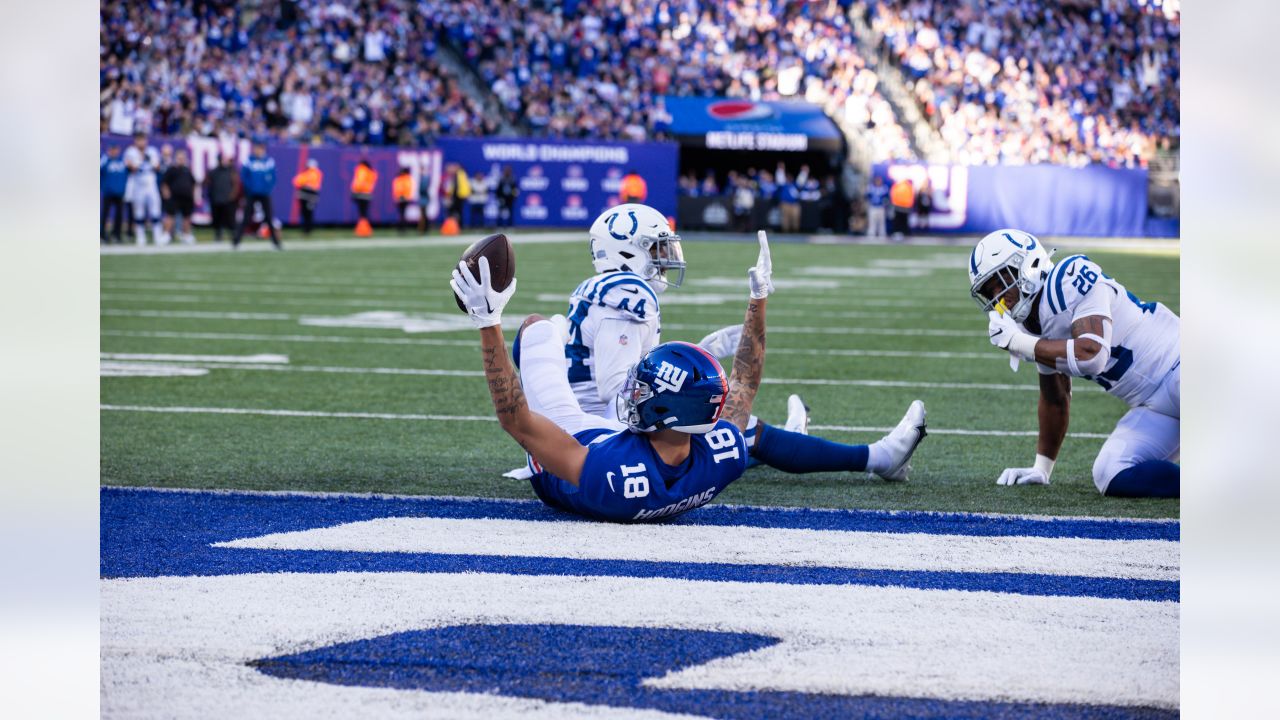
{"type": "Point", "coordinates": [568, 183]}
{"type": "Point", "coordinates": [1041, 199]}
{"type": "Point", "coordinates": [747, 125]}
{"type": "Point", "coordinates": [335, 162]}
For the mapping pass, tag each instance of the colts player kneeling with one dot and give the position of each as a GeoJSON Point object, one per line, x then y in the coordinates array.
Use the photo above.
{"type": "Point", "coordinates": [678, 441]}
{"type": "Point", "coordinates": [1074, 320]}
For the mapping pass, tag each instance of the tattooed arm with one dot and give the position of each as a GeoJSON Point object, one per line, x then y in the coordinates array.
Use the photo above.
{"type": "Point", "coordinates": [748, 362]}
{"type": "Point", "coordinates": [553, 448]}
{"type": "Point", "coordinates": [748, 367]}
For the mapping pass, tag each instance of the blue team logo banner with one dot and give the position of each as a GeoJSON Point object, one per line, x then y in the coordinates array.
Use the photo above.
{"type": "Point", "coordinates": [1092, 201]}
{"type": "Point", "coordinates": [568, 183]}
{"type": "Point", "coordinates": [739, 124]}
{"type": "Point", "coordinates": [337, 163]}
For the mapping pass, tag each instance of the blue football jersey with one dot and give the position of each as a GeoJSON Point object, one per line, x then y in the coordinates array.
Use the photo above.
{"type": "Point", "coordinates": [624, 479]}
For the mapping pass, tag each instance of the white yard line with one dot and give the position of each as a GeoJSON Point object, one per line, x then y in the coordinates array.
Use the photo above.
{"type": "Point", "coordinates": [836, 382]}
{"type": "Point", "coordinates": [196, 314]}
{"type": "Point", "coordinates": [291, 338]}
{"type": "Point", "coordinates": [260, 359]}
{"type": "Point", "coordinates": [1137, 559]}
{"type": "Point", "coordinates": [488, 418]}
{"type": "Point", "coordinates": [931, 332]}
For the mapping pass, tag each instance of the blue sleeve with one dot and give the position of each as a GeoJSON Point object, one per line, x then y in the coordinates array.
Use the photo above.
{"type": "Point", "coordinates": [244, 177]}
{"type": "Point", "coordinates": [271, 175]}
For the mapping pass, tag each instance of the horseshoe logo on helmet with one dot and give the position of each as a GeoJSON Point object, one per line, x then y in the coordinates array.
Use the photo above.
{"type": "Point", "coordinates": [635, 225]}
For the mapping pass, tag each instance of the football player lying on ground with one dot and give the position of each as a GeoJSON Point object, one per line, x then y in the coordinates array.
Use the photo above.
{"type": "Point", "coordinates": [674, 452]}
{"type": "Point", "coordinates": [614, 319]}
{"type": "Point", "coordinates": [1074, 320]}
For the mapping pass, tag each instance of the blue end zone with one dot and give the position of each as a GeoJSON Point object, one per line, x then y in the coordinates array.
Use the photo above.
{"type": "Point", "coordinates": [147, 533]}
{"type": "Point", "coordinates": [606, 666]}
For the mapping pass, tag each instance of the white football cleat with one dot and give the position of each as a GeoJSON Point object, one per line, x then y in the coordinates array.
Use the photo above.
{"type": "Point", "coordinates": [797, 416]}
{"type": "Point", "coordinates": [521, 473]}
{"type": "Point", "coordinates": [901, 442]}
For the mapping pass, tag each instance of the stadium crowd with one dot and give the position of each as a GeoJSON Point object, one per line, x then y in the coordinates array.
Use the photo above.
{"type": "Point", "coordinates": [1019, 82]}
{"type": "Point", "coordinates": [600, 69]}
{"type": "Point", "coordinates": [358, 71]}
{"type": "Point", "coordinates": [307, 70]}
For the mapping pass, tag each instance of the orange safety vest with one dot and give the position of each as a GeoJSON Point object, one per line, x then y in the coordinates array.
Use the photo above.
{"type": "Point", "coordinates": [402, 188]}
{"type": "Point", "coordinates": [633, 186]}
{"type": "Point", "coordinates": [366, 177]}
{"type": "Point", "coordinates": [309, 179]}
{"type": "Point", "coordinates": [902, 195]}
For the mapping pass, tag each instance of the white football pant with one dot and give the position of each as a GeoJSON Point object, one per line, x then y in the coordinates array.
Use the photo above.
{"type": "Point", "coordinates": [1151, 431]}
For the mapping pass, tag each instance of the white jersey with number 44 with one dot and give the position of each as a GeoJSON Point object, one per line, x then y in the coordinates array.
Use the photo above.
{"type": "Point", "coordinates": [1145, 336]}
{"type": "Point", "coordinates": [613, 321]}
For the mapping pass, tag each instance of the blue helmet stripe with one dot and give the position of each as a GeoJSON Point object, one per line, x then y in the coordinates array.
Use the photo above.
{"type": "Point", "coordinates": [973, 261]}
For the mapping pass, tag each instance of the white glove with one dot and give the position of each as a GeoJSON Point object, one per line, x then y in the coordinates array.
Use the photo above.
{"type": "Point", "coordinates": [1004, 334]}
{"type": "Point", "coordinates": [723, 342]}
{"type": "Point", "coordinates": [1038, 474]}
{"type": "Point", "coordinates": [483, 303]}
{"type": "Point", "coordinates": [761, 276]}
{"type": "Point", "coordinates": [1022, 476]}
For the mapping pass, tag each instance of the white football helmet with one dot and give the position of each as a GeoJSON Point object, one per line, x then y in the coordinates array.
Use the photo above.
{"type": "Point", "coordinates": [637, 238]}
{"type": "Point", "coordinates": [1016, 259]}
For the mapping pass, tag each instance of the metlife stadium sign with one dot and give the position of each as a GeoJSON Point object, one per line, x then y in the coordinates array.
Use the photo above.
{"type": "Point", "coordinates": [737, 124]}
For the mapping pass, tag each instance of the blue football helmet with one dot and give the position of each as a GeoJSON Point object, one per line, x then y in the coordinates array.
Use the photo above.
{"type": "Point", "coordinates": [676, 385]}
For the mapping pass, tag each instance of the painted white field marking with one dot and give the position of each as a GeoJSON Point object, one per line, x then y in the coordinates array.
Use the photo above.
{"type": "Point", "coordinates": [259, 359]}
{"type": "Point", "coordinates": [948, 431]}
{"type": "Point", "coordinates": [1138, 559]}
{"type": "Point", "coordinates": [931, 332]}
{"type": "Point", "coordinates": [241, 316]}
{"type": "Point", "coordinates": [178, 646]}
{"type": "Point", "coordinates": [845, 271]}
{"type": "Point", "coordinates": [290, 338]}
{"type": "Point", "coordinates": [272, 288]}
{"type": "Point", "coordinates": [348, 370]}
{"type": "Point", "coordinates": [923, 354]}
{"type": "Point", "coordinates": [782, 283]}
{"type": "Point", "coordinates": [490, 418]}
{"type": "Point", "coordinates": [295, 413]}
{"type": "Point", "coordinates": [196, 314]}
{"type": "Point", "coordinates": [216, 300]}
{"type": "Point", "coordinates": [353, 244]}
{"type": "Point", "coordinates": [109, 368]}
{"type": "Point", "coordinates": [410, 323]}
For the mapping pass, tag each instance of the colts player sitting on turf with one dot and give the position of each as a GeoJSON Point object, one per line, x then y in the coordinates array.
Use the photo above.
{"type": "Point", "coordinates": [1080, 322]}
{"type": "Point", "coordinates": [673, 450]}
{"type": "Point", "coordinates": [614, 319]}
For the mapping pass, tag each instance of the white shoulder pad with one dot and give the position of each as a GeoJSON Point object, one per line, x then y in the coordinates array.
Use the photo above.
{"type": "Point", "coordinates": [1072, 280]}
{"type": "Point", "coordinates": [625, 293]}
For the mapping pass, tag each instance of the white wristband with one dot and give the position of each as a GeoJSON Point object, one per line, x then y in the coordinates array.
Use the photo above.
{"type": "Point", "coordinates": [1024, 345]}
{"type": "Point", "coordinates": [1045, 465]}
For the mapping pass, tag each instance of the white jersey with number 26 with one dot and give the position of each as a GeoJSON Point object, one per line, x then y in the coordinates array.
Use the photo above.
{"type": "Point", "coordinates": [1145, 336]}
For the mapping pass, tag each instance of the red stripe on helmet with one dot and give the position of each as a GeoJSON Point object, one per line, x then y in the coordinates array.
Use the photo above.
{"type": "Point", "coordinates": [724, 381]}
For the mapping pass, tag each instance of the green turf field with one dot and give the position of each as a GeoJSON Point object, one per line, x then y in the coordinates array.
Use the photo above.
{"type": "Point", "coordinates": [858, 331]}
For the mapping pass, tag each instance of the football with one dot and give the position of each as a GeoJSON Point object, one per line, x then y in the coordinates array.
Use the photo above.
{"type": "Point", "coordinates": [502, 261]}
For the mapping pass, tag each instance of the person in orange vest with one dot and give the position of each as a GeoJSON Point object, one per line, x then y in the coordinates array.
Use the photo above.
{"type": "Point", "coordinates": [307, 184]}
{"type": "Point", "coordinates": [402, 193]}
{"type": "Point", "coordinates": [902, 195]}
{"type": "Point", "coordinates": [362, 185]}
{"type": "Point", "coordinates": [633, 188]}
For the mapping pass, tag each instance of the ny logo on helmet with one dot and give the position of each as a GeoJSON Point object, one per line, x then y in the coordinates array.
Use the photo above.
{"type": "Point", "coordinates": [670, 377]}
